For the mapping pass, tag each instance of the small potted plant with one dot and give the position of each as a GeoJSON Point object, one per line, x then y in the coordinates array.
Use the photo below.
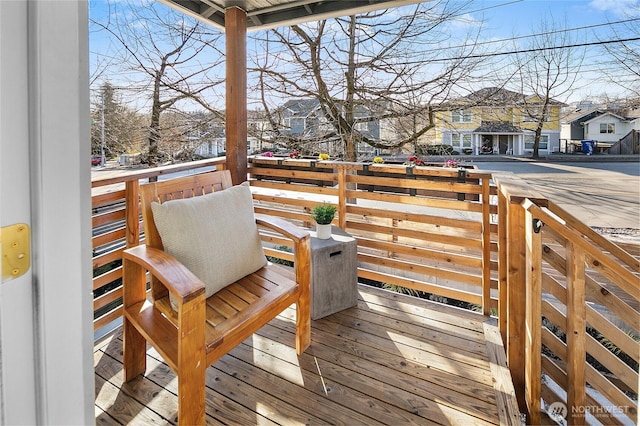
{"type": "Point", "coordinates": [323, 215]}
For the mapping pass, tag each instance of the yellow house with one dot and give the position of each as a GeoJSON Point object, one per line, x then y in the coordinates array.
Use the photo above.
{"type": "Point", "coordinates": [498, 121]}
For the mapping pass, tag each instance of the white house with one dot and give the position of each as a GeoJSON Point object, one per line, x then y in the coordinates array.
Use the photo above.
{"type": "Point", "coordinates": [609, 127]}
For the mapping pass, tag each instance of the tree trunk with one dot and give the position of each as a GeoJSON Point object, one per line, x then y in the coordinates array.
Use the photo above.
{"type": "Point", "coordinates": [154, 125]}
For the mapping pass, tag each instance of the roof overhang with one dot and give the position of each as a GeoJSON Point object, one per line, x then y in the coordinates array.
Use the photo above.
{"type": "Point", "coordinates": [265, 14]}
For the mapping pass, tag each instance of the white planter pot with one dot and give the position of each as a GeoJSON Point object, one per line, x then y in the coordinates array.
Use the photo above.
{"type": "Point", "coordinates": [323, 232]}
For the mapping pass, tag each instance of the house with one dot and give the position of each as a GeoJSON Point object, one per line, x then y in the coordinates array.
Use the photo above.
{"type": "Point", "coordinates": [304, 118]}
{"type": "Point", "coordinates": [604, 127]}
{"type": "Point", "coordinates": [210, 140]}
{"type": "Point", "coordinates": [497, 121]}
{"type": "Point", "coordinates": [609, 127]}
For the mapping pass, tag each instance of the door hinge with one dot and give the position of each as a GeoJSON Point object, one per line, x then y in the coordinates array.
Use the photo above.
{"type": "Point", "coordinates": [16, 250]}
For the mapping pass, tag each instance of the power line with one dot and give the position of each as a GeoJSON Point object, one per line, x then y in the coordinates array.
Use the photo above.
{"type": "Point", "coordinates": [587, 27]}
{"type": "Point", "coordinates": [515, 52]}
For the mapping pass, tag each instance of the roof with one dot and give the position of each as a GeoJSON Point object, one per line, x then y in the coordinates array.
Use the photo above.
{"type": "Point", "coordinates": [495, 96]}
{"type": "Point", "coordinates": [264, 14]}
{"type": "Point", "coordinates": [614, 115]}
{"type": "Point", "coordinates": [497, 127]}
{"type": "Point", "coordinates": [301, 107]}
{"type": "Point", "coordinates": [580, 115]}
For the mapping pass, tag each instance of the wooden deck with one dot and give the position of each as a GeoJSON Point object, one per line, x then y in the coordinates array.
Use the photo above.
{"type": "Point", "coordinates": [392, 360]}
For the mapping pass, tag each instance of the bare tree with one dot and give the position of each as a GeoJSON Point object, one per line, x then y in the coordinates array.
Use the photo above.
{"type": "Point", "coordinates": [362, 70]}
{"type": "Point", "coordinates": [546, 70]}
{"type": "Point", "coordinates": [170, 58]}
{"type": "Point", "coordinates": [116, 128]}
{"type": "Point", "coordinates": [626, 55]}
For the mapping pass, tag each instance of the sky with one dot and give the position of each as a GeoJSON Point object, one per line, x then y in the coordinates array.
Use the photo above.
{"type": "Point", "coordinates": [589, 21]}
{"type": "Point", "coordinates": [506, 19]}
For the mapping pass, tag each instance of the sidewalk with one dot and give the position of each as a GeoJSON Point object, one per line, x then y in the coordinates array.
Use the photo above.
{"type": "Point", "coordinates": [555, 157]}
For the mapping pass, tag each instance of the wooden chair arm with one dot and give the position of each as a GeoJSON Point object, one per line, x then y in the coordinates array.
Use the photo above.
{"type": "Point", "coordinates": [287, 229]}
{"type": "Point", "coordinates": [302, 255]}
{"type": "Point", "coordinates": [179, 280]}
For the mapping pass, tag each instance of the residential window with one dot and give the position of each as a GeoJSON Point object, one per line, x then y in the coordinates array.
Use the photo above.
{"type": "Point", "coordinates": [607, 127]}
{"type": "Point", "coordinates": [461, 142]}
{"type": "Point", "coordinates": [461, 116]}
{"type": "Point", "coordinates": [529, 140]}
{"type": "Point", "coordinates": [324, 124]}
{"type": "Point", "coordinates": [363, 126]}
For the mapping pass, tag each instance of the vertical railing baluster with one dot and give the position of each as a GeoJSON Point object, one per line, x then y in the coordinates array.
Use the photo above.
{"type": "Point", "coordinates": [132, 213]}
{"type": "Point", "coordinates": [533, 322]}
{"type": "Point", "coordinates": [576, 334]}
{"type": "Point", "coordinates": [342, 197]}
{"type": "Point", "coordinates": [503, 209]}
{"type": "Point", "coordinates": [486, 248]}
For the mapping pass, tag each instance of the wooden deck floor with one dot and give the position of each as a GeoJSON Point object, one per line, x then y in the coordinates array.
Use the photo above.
{"type": "Point", "coordinates": [392, 360]}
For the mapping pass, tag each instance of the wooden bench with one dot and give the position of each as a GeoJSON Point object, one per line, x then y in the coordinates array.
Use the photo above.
{"type": "Point", "coordinates": [203, 329]}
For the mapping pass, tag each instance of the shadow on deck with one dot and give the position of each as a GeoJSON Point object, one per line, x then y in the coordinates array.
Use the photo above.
{"type": "Point", "coordinates": [393, 359]}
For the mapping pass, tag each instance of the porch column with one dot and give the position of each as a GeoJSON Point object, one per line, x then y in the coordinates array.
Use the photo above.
{"type": "Point", "coordinates": [236, 93]}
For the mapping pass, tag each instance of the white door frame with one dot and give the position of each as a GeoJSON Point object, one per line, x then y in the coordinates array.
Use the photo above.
{"type": "Point", "coordinates": [45, 80]}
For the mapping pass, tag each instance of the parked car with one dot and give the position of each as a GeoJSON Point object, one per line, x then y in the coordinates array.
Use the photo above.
{"type": "Point", "coordinates": [96, 160]}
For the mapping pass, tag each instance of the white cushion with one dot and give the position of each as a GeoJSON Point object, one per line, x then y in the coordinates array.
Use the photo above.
{"type": "Point", "coordinates": [215, 235]}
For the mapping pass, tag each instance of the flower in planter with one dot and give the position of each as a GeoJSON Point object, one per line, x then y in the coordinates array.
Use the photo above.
{"type": "Point", "coordinates": [295, 154]}
{"type": "Point", "coordinates": [378, 160]}
{"type": "Point", "coordinates": [323, 156]}
{"type": "Point", "coordinates": [323, 213]}
{"type": "Point", "coordinates": [268, 154]}
{"type": "Point", "coordinates": [450, 163]}
{"type": "Point", "coordinates": [414, 160]}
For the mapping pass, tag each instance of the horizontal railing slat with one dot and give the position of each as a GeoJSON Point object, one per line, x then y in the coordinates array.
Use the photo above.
{"type": "Point", "coordinates": [449, 292]}
{"type": "Point", "coordinates": [416, 217]}
{"type": "Point", "coordinates": [417, 201]}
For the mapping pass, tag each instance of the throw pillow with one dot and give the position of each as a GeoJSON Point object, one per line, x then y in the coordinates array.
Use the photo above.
{"type": "Point", "coordinates": [215, 235]}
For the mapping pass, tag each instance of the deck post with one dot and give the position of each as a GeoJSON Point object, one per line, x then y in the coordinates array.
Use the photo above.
{"type": "Point", "coordinates": [516, 299]}
{"type": "Point", "coordinates": [236, 93]}
{"type": "Point", "coordinates": [513, 194]}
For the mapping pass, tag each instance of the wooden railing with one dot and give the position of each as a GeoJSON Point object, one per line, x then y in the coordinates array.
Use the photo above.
{"type": "Point", "coordinates": [428, 229]}
{"type": "Point", "coordinates": [571, 312]}
{"type": "Point", "coordinates": [457, 236]}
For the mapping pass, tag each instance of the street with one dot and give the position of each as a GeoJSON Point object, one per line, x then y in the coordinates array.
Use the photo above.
{"type": "Point", "coordinates": [601, 194]}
